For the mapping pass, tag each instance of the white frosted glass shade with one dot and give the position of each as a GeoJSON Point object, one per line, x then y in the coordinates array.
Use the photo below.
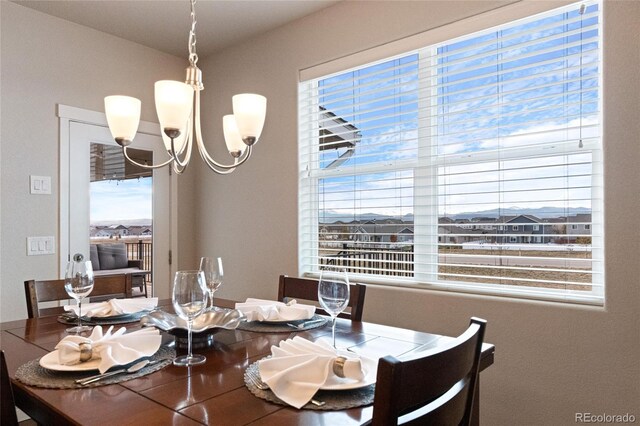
{"type": "Point", "coordinates": [250, 111]}
{"type": "Point", "coordinates": [174, 101]}
{"type": "Point", "coordinates": [231, 134]}
{"type": "Point", "coordinates": [123, 116]}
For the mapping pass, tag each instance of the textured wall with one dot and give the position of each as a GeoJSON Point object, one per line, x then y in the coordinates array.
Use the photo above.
{"type": "Point", "coordinates": [48, 61]}
{"type": "Point", "coordinates": [552, 360]}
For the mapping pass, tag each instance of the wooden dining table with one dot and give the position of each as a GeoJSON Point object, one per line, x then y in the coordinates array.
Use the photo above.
{"type": "Point", "coordinates": [211, 393]}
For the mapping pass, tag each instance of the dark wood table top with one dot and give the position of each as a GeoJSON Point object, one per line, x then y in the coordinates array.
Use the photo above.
{"type": "Point", "coordinates": [212, 393]}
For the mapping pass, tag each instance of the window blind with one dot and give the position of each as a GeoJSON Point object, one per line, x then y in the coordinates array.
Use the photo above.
{"type": "Point", "coordinates": [472, 165]}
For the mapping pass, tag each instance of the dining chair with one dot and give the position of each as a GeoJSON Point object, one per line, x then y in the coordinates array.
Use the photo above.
{"type": "Point", "coordinates": [8, 407]}
{"type": "Point", "coordinates": [307, 289]}
{"type": "Point", "coordinates": [106, 287]}
{"type": "Point", "coordinates": [437, 387]}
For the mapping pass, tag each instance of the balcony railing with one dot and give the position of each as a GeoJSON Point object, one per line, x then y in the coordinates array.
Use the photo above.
{"type": "Point", "coordinates": [383, 261]}
{"type": "Point", "coordinates": [142, 250]}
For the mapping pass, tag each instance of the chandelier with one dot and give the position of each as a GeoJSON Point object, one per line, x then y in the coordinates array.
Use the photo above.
{"type": "Point", "coordinates": [178, 108]}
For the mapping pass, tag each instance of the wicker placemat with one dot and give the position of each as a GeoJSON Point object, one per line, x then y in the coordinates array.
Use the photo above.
{"type": "Point", "coordinates": [334, 400]}
{"type": "Point", "coordinates": [274, 327]}
{"type": "Point", "coordinates": [33, 374]}
{"type": "Point", "coordinates": [120, 319]}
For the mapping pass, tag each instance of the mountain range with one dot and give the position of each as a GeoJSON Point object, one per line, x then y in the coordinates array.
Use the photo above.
{"type": "Point", "coordinates": [331, 216]}
{"type": "Point", "coordinates": [125, 222]}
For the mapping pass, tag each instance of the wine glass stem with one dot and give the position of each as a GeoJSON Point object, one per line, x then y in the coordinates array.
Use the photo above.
{"type": "Point", "coordinates": [333, 331]}
{"type": "Point", "coordinates": [211, 299]}
{"type": "Point", "coordinates": [189, 324]}
{"type": "Point", "coordinates": [79, 314]}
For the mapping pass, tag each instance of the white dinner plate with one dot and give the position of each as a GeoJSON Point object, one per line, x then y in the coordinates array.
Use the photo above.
{"type": "Point", "coordinates": [116, 317]}
{"type": "Point", "coordinates": [370, 368]}
{"type": "Point", "coordinates": [292, 321]}
{"type": "Point", "coordinates": [50, 362]}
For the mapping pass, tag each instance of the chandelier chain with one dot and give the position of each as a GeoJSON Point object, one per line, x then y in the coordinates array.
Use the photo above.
{"type": "Point", "coordinates": [193, 56]}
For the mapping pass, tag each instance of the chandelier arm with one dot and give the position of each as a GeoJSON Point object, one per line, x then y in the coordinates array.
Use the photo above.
{"type": "Point", "coordinates": [177, 169]}
{"type": "Point", "coordinates": [144, 166]}
{"type": "Point", "coordinates": [182, 163]}
{"type": "Point", "coordinates": [213, 164]}
{"type": "Point", "coordinates": [227, 170]}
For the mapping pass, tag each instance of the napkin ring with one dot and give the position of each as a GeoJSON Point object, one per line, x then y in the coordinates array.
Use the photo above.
{"type": "Point", "coordinates": [338, 366]}
{"type": "Point", "coordinates": [86, 351]}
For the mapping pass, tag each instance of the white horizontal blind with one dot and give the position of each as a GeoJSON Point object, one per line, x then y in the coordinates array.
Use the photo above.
{"type": "Point", "coordinates": [472, 165]}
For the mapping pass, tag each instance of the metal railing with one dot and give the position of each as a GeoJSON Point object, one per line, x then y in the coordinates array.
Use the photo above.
{"type": "Point", "coordinates": [379, 261]}
{"type": "Point", "coordinates": [142, 250]}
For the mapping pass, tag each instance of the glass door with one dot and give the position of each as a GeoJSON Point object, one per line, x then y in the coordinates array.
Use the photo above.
{"type": "Point", "coordinates": [113, 201]}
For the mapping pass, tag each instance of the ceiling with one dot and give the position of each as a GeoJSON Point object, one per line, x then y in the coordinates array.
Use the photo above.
{"type": "Point", "coordinates": [164, 24]}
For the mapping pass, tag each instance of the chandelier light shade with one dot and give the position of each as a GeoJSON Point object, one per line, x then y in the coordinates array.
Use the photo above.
{"type": "Point", "coordinates": [123, 116]}
{"type": "Point", "coordinates": [174, 101]}
{"type": "Point", "coordinates": [252, 109]}
{"type": "Point", "coordinates": [232, 137]}
{"type": "Point", "coordinates": [178, 108]}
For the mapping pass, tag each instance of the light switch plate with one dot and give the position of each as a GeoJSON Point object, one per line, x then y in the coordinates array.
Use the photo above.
{"type": "Point", "coordinates": [40, 245]}
{"type": "Point", "coordinates": [40, 185]}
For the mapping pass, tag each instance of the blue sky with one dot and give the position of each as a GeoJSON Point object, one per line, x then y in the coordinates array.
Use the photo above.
{"type": "Point", "coordinates": [517, 87]}
{"type": "Point", "coordinates": [121, 200]}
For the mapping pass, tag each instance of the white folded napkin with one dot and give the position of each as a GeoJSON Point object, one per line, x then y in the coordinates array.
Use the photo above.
{"type": "Point", "coordinates": [270, 310]}
{"type": "Point", "coordinates": [115, 307]}
{"type": "Point", "coordinates": [298, 368]}
{"type": "Point", "coordinates": [112, 349]}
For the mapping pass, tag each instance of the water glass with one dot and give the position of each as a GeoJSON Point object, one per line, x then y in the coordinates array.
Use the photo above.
{"type": "Point", "coordinates": [333, 293]}
{"type": "Point", "coordinates": [213, 273]}
{"type": "Point", "coordinates": [189, 301]}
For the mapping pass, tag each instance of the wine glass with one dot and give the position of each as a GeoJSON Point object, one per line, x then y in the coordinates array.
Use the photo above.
{"type": "Point", "coordinates": [213, 273]}
{"type": "Point", "coordinates": [78, 282]}
{"type": "Point", "coordinates": [333, 293]}
{"type": "Point", "coordinates": [189, 301]}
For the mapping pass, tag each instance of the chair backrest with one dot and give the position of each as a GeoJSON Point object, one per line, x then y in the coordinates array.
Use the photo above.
{"type": "Point", "coordinates": [105, 287]}
{"type": "Point", "coordinates": [307, 289]}
{"type": "Point", "coordinates": [8, 407]}
{"type": "Point", "coordinates": [112, 256]}
{"type": "Point", "coordinates": [437, 387]}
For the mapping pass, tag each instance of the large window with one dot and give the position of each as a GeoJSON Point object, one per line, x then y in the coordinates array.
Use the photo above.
{"type": "Point", "coordinates": [471, 165]}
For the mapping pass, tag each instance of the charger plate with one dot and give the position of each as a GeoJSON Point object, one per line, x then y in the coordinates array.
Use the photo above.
{"type": "Point", "coordinates": [271, 327]}
{"type": "Point", "coordinates": [33, 374]}
{"type": "Point", "coordinates": [333, 399]}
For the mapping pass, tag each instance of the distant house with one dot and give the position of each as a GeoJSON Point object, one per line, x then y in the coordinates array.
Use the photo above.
{"type": "Point", "coordinates": [454, 234]}
{"type": "Point", "coordinates": [521, 229]}
{"type": "Point", "coordinates": [360, 234]}
{"type": "Point", "coordinates": [119, 230]}
{"type": "Point", "coordinates": [405, 235]}
{"type": "Point", "coordinates": [578, 226]}
{"type": "Point", "coordinates": [102, 233]}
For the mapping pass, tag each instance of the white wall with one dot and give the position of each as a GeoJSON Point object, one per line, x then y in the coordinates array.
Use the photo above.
{"type": "Point", "coordinates": [552, 360]}
{"type": "Point", "coordinates": [48, 61]}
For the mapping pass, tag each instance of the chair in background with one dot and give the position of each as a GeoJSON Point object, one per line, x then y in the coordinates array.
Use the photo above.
{"type": "Point", "coordinates": [107, 287]}
{"type": "Point", "coordinates": [436, 388]}
{"type": "Point", "coordinates": [307, 289]}
{"type": "Point", "coordinates": [8, 407]}
{"type": "Point", "coordinates": [112, 259]}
